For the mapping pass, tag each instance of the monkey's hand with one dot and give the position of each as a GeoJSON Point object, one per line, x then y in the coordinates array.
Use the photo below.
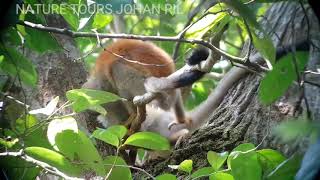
{"type": "Point", "coordinates": [187, 122]}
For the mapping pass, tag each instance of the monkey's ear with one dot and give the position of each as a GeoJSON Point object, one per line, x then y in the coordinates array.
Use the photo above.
{"type": "Point", "coordinates": [198, 55]}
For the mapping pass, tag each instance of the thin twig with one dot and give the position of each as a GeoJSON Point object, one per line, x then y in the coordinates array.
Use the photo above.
{"type": "Point", "coordinates": [14, 99]}
{"type": "Point", "coordinates": [132, 167]}
{"type": "Point", "coordinates": [311, 72]}
{"type": "Point", "coordinates": [137, 62]}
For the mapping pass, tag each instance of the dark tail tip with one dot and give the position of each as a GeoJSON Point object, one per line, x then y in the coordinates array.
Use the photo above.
{"type": "Point", "coordinates": [198, 55]}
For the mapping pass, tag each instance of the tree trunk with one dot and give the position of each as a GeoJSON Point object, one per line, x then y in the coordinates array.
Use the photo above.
{"type": "Point", "coordinates": [241, 118]}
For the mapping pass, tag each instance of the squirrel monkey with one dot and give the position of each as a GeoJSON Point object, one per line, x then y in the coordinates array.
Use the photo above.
{"type": "Point", "coordinates": [122, 68]}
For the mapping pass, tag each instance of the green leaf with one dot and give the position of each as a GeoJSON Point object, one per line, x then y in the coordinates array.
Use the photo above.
{"type": "Point", "coordinates": [166, 177]}
{"type": "Point", "coordinates": [286, 170]}
{"type": "Point", "coordinates": [244, 11]}
{"type": "Point", "coordinates": [211, 22]}
{"type": "Point", "coordinates": [244, 163]}
{"type": "Point", "coordinates": [70, 16]}
{"type": "Point", "coordinates": [84, 22]}
{"type": "Point", "coordinates": [269, 159]}
{"type": "Point", "coordinates": [54, 159]}
{"type": "Point", "coordinates": [37, 137]}
{"type": "Point", "coordinates": [216, 160]}
{"type": "Point", "coordinates": [101, 20]}
{"type": "Point", "coordinates": [281, 77]}
{"type": "Point", "coordinates": [77, 146]}
{"type": "Point", "coordinates": [15, 63]}
{"type": "Point", "coordinates": [221, 176]}
{"type": "Point", "coordinates": [266, 48]}
{"type": "Point", "coordinates": [99, 109]}
{"type": "Point", "coordinates": [106, 136]}
{"type": "Point", "coordinates": [148, 140]}
{"type": "Point", "coordinates": [262, 42]}
{"type": "Point", "coordinates": [118, 130]}
{"type": "Point", "coordinates": [24, 170]}
{"type": "Point", "coordinates": [85, 98]}
{"type": "Point", "coordinates": [202, 172]}
{"type": "Point", "coordinates": [25, 122]}
{"type": "Point", "coordinates": [39, 41]}
{"type": "Point", "coordinates": [8, 143]}
{"type": "Point", "coordinates": [186, 166]}
{"type": "Point", "coordinates": [58, 125]}
{"type": "Point", "coordinates": [11, 36]}
{"type": "Point", "coordinates": [121, 172]}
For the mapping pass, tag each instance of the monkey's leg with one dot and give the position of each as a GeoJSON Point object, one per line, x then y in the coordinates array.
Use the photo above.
{"type": "Point", "coordinates": [179, 111]}
{"type": "Point", "coordinates": [129, 121]}
{"type": "Point", "coordinates": [134, 122]}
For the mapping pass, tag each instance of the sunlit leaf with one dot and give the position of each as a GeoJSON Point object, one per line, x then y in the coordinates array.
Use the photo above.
{"type": "Point", "coordinates": [186, 166]}
{"type": "Point", "coordinates": [106, 136]}
{"type": "Point", "coordinates": [212, 22]}
{"type": "Point", "coordinates": [77, 146]}
{"type": "Point", "coordinates": [83, 22]}
{"type": "Point", "coordinates": [99, 109]}
{"type": "Point", "coordinates": [166, 177]}
{"type": "Point", "coordinates": [221, 176]}
{"type": "Point", "coordinates": [8, 143]}
{"type": "Point", "coordinates": [216, 160]}
{"type": "Point", "coordinates": [203, 172]}
{"type": "Point", "coordinates": [70, 16]}
{"type": "Point", "coordinates": [85, 98]}
{"type": "Point", "coordinates": [58, 125]}
{"type": "Point", "coordinates": [118, 130]}
{"type": "Point", "coordinates": [101, 20]}
{"type": "Point", "coordinates": [245, 164]}
{"type": "Point", "coordinates": [54, 159]}
{"type": "Point", "coordinates": [148, 140]}
{"type": "Point", "coordinates": [49, 109]}
{"type": "Point", "coordinates": [25, 122]}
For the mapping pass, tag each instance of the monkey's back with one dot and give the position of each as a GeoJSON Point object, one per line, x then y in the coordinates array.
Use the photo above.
{"type": "Point", "coordinates": [143, 56]}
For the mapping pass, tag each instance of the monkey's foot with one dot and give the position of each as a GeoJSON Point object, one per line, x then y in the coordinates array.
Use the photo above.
{"type": "Point", "coordinates": [129, 121]}
{"type": "Point", "coordinates": [135, 120]}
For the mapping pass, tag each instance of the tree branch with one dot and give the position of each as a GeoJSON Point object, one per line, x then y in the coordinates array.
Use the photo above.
{"type": "Point", "coordinates": [73, 34]}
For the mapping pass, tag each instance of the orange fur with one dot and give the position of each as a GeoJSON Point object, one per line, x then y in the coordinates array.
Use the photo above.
{"type": "Point", "coordinates": [136, 50]}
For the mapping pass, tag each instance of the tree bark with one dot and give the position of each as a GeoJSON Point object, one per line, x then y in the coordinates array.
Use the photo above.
{"type": "Point", "coordinates": [241, 118]}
